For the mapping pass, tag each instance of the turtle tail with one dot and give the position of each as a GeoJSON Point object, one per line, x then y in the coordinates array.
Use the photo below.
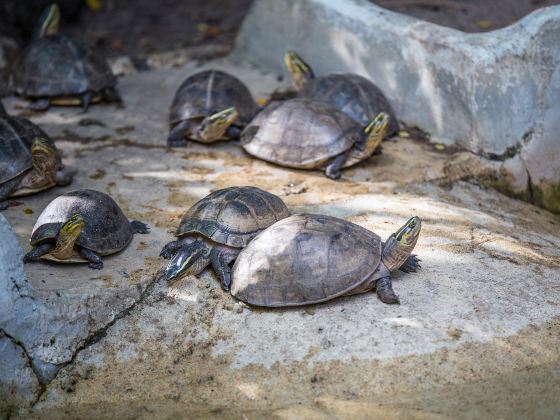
{"type": "Point", "coordinates": [139, 227]}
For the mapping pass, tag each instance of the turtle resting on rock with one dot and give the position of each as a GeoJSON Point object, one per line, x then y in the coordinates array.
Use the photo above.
{"type": "Point", "coordinates": [210, 106]}
{"type": "Point", "coordinates": [308, 258]}
{"type": "Point", "coordinates": [81, 226]}
{"type": "Point", "coordinates": [29, 160]}
{"type": "Point", "coordinates": [350, 93]}
{"type": "Point", "coordinates": [217, 227]}
{"type": "Point", "coordinates": [307, 133]}
{"type": "Point", "coordinates": [56, 69]}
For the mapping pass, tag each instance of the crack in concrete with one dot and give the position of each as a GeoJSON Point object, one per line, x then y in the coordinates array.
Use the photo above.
{"type": "Point", "coordinates": [100, 333]}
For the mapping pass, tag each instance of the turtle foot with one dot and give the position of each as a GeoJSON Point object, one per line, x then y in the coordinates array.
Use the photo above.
{"type": "Point", "coordinates": [140, 227]}
{"type": "Point", "coordinates": [411, 264]}
{"type": "Point", "coordinates": [384, 289]}
{"type": "Point", "coordinates": [98, 265]}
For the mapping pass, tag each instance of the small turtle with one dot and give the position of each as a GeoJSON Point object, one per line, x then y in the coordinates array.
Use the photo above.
{"type": "Point", "coordinates": [217, 227]}
{"type": "Point", "coordinates": [308, 258]}
{"type": "Point", "coordinates": [209, 106]}
{"type": "Point", "coordinates": [60, 70]}
{"type": "Point", "coordinates": [350, 93]}
{"type": "Point", "coordinates": [307, 133]}
{"type": "Point", "coordinates": [29, 160]}
{"type": "Point", "coordinates": [81, 226]}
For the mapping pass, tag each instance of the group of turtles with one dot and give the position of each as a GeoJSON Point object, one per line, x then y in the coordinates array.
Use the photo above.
{"type": "Point", "coordinates": [260, 252]}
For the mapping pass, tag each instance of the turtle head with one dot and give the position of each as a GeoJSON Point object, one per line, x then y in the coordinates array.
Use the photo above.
{"type": "Point", "coordinates": [40, 147]}
{"type": "Point", "coordinates": [189, 260]}
{"type": "Point", "coordinates": [375, 131]}
{"type": "Point", "coordinates": [49, 22]}
{"type": "Point", "coordinates": [300, 71]}
{"type": "Point", "coordinates": [215, 126]}
{"type": "Point", "coordinates": [400, 244]}
{"type": "Point", "coordinates": [70, 231]}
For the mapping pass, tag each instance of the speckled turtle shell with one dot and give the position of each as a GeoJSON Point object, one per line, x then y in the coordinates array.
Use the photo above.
{"type": "Point", "coordinates": [58, 65]}
{"type": "Point", "coordinates": [300, 133]}
{"type": "Point", "coordinates": [233, 216]}
{"type": "Point", "coordinates": [16, 137]}
{"type": "Point", "coordinates": [106, 230]}
{"type": "Point", "coordinates": [352, 94]}
{"type": "Point", "coordinates": [211, 91]}
{"type": "Point", "coordinates": [305, 259]}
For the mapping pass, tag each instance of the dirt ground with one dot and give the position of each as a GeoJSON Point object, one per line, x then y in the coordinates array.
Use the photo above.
{"type": "Point", "coordinates": [467, 15]}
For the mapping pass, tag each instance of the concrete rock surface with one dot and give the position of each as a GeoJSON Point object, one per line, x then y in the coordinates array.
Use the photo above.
{"type": "Point", "coordinates": [477, 331]}
{"type": "Point", "coordinates": [496, 93]}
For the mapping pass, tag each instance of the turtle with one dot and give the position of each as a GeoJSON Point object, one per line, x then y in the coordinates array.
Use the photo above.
{"type": "Point", "coordinates": [311, 258]}
{"type": "Point", "coordinates": [307, 133]}
{"type": "Point", "coordinates": [217, 227]}
{"type": "Point", "coordinates": [29, 160]}
{"type": "Point", "coordinates": [350, 93]}
{"type": "Point", "coordinates": [210, 105]}
{"type": "Point", "coordinates": [61, 70]}
{"type": "Point", "coordinates": [2, 110]}
{"type": "Point", "coordinates": [81, 226]}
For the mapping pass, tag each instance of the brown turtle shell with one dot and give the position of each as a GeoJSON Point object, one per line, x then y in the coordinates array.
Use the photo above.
{"type": "Point", "coordinates": [352, 94]}
{"type": "Point", "coordinates": [233, 216]}
{"type": "Point", "coordinates": [106, 230]}
{"type": "Point", "coordinates": [300, 133]}
{"type": "Point", "coordinates": [210, 91]}
{"type": "Point", "coordinates": [58, 65]}
{"type": "Point", "coordinates": [304, 259]}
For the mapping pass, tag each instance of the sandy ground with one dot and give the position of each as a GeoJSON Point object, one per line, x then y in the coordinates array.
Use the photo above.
{"type": "Point", "coordinates": [476, 335]}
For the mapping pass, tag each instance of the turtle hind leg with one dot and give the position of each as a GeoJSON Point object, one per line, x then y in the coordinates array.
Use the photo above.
{"type": "Point", "coordinates": [221, 260]}
{"type": "Point", "coordinates": [411, 264]}
{"type": "Point", "coordinates": [94, 259]}
{"type": "Point", "coordinates": [384, 289]}
{"type": "Point", "coordinates": [39, 104]}
{"type": "Point", "coordinates": [37, 252]}
{"type": "Point", "coordinates": [333, 169]}
{"type": "Point", "coordinates": [140, 227]}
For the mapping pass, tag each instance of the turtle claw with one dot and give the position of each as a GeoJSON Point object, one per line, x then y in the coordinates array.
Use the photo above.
{"type": "Point", "coordinates": [96, 265]}
{"type": "Point", "coordinates": [411, 264]}
{"type": "Point", "coordinates": [385, 292]}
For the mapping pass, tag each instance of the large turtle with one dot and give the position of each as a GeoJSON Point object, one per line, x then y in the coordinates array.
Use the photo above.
{"type": "Point", "coordinates": [29, 160]}
{"type": "Point", "coordinates": [217, 227]}
{"type": "Point", "coordinates": [307, 133]}
{"type": "Point", "coordinates": [308, 258]}
{"type": "Point", "coordinates": [350, 93]}
{"type": "Point", "coordinates": [209, 106]}
{"type": "Point", "coordinates": [81, 226]}
{"type": "Point", "coordinates": [60, 70]}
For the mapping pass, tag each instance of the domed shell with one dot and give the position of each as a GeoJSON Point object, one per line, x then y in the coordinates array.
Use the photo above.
{"type": "Point", "coordinates": [16, 136]}
{"type": "Point", "coordinates": [303, 259]}
{"type": "Point", "coordinates": [352, 94]}
{"type": "Point", "coordinates": [211, 91]}
{"type": "Point", "coordinates": [106, 230]}
{"type": "Point", "coordinates": [233, 216]}
{"type": "Point", "coordinates": [57, 65]}
{"type": "Point", "coordinates": [300, 133]}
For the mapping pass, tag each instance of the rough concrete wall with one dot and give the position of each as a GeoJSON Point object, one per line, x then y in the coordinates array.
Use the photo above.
{"type": "Point", "coordinates": [495, 93]}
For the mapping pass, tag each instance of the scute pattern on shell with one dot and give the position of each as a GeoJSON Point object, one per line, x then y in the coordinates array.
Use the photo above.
{"type": "Point", "coordinates": [16, 136]}
{"type": "Point", "coordinates": [57, 65]}
{"type": "Point", "coordinates": [300, 133]}
{"type": "Point", "coordinates": [352, 94]}
{"type": "Point", "coordinates": [304, 259]}
{"type": "Point", "coordinates": [233, 216]}
{"type": "Point", "coordinates": [210, 91]}
{"type": "Point", "coordinates": [106, 230]}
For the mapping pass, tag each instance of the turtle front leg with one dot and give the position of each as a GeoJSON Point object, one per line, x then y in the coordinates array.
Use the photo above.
{"type": "Point", "coordinates": [411, 264]}
{"type": "Point", "coordinates": [384, 289]}
{"type": "Point", "coordinates": [177, 135]}
{"type": "Point", "coordinates": [37, 252]}
{"type": "Point", "coordinates": [171, 248]}
{"type": "Point", "coordinates": [39, 104]}
{"type": "Point", "coordinates": [86, 101]}
{"type": "Point", "coordinates": [111, 94]}
{"type": "Point", "coordinates": [333, 169]}
{"type": "Point", "coordinates": [233, 132]}
{"type": "Point", "coordinates": [220, 260]}
{"type": "Point", "coordinates": [6, 189]}
{"type": "Point", "coordinates": [94, 259]}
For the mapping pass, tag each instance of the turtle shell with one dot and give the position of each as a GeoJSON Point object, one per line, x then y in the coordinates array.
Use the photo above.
{"type": "Point", "coordinates": [16, 137]}
{"type": "Point", "coordinates": [58, 65]}
{"type": "Point", "coordinates": [352, 94]}
{"type": "Point", "coordinates": [233, 216]}
{"type": "Point", "coordinates": [300, 133]}
{"type": "Point", "coordinates": [106, 230]}
{"type": "Point", "coordinates": [305, 259]}
{"type": "Point", "coordinates": [210, 91]}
